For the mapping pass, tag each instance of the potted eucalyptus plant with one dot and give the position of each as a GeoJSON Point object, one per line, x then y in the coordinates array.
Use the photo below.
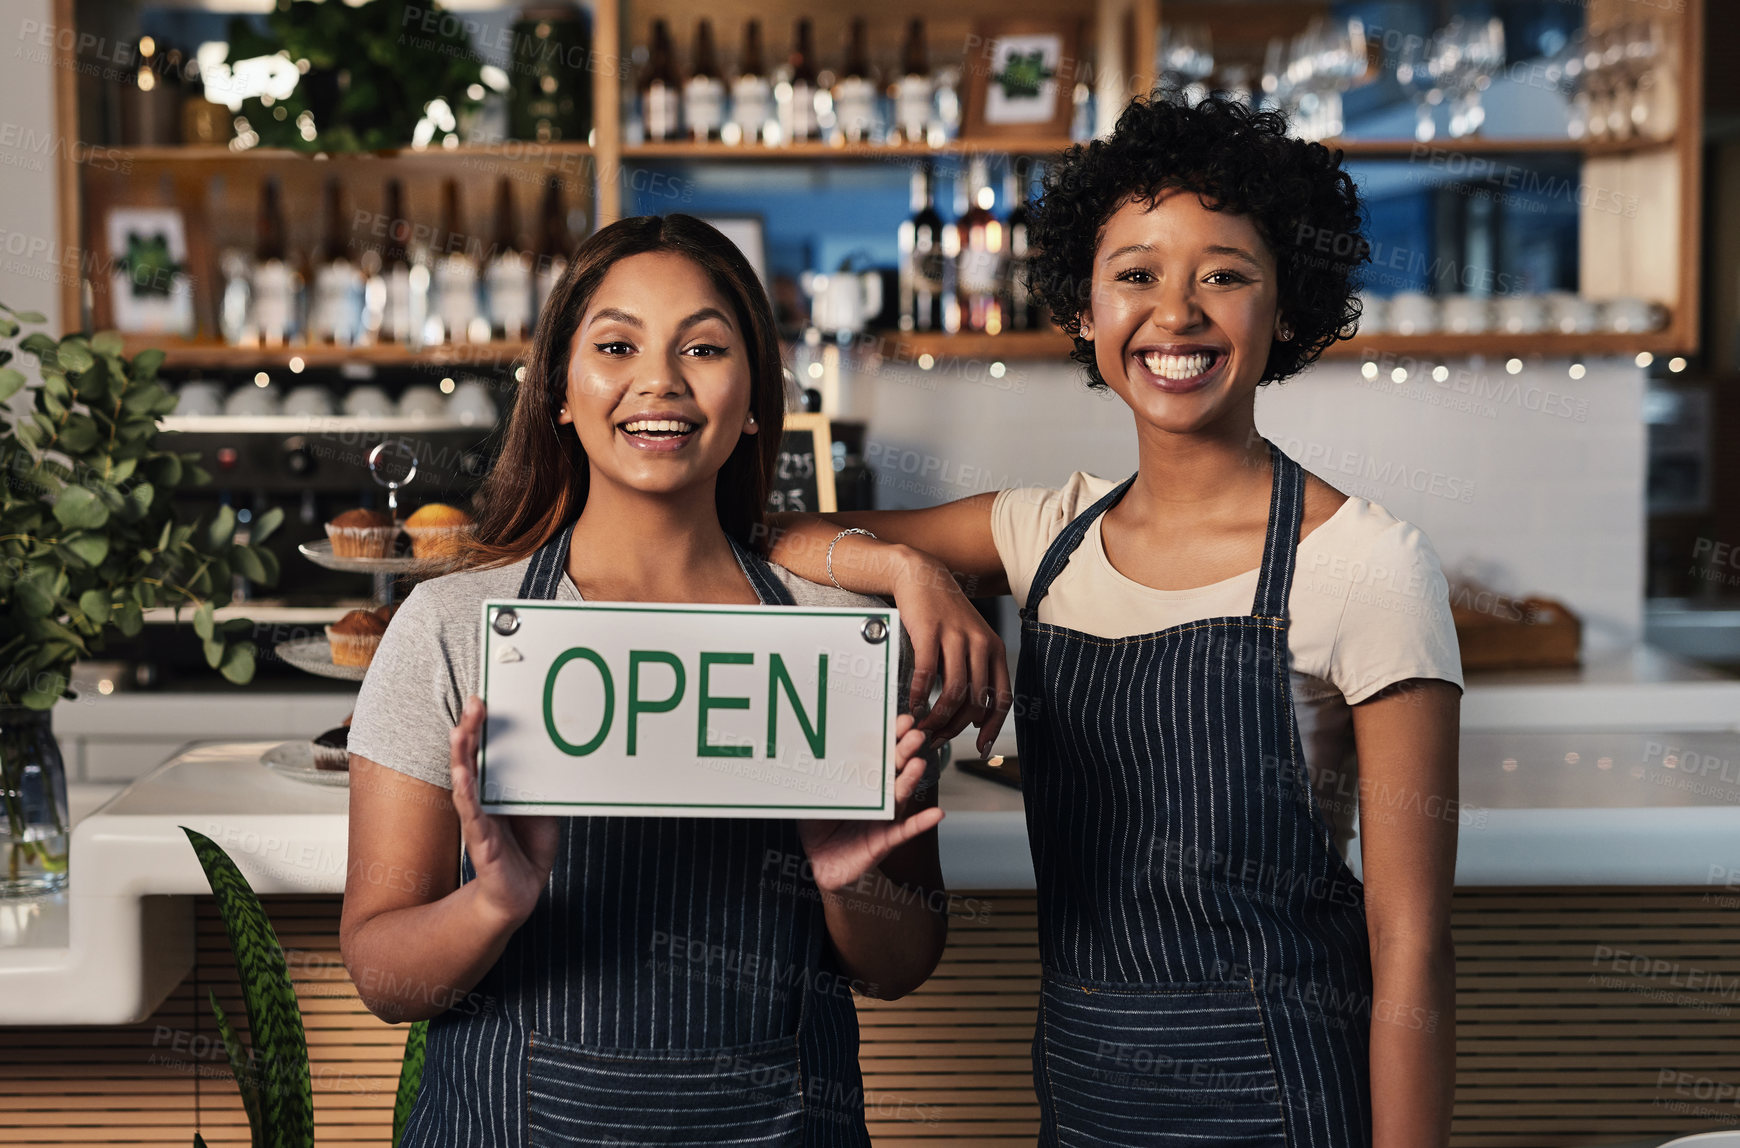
{"type": "Point", "coordinates": [90, 539]}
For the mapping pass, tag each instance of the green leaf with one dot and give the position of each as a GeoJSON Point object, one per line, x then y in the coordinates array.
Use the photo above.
{"type": "Point", "coordinates": [80, 508]}
{"type": "Point", "coordinates": [140, 496]}
{"type": "Point", "coordinates": [235, 626]}
{"type": "Point", "coordinates": [79, 435]}
{"type": "Point", "coordinates": [34, 598]}
{"type": "Point", "coordinates": [270, 561]}
{"type": "Point", "coordinates": [222, 528]}
{"type": "Point", "coordinates": [48, 689]}
{"type": "Point", "coordinates": [267, 525]}
{"type": "Point", "coordinates": [39, 345]}
{"type": "Point", "coordinates": [240, 1067]}
{"type": "Point", "coordinates": [202, 621]}
{"type": "Point", "coordinates": [410, 1077]}
{"type": "Point", "coordinates": [93, 548]}
{"type": "Point", "coordinates": [214, 652]}
{"type": "Point", "coordinates": [107, 342]}
{"type": "Point", "coordinates": [248, 564]}
{"type": "Point", "coordinates": [165, 470]}
{"type": "Point", "coordinates": [8, 328]}
{"type": "Point", "coordinates": [29, 316]}
{"type": "Point", "coordinates": [95, 605]}
{"type": "Point", "coordinates": [129, 619]}
{"type": "Point", "coordinates": [238, 663]}
{"type": "Point", "coordinates": [146, 362]}
{"type": "Point", "coordinates": [122, 470]}
{"type": "Point", "coordinates": [75, 355]}
{"type": "Point", "coordinates": [274, 1019]}
{"type": "Point", "coordinates": [11, 379]}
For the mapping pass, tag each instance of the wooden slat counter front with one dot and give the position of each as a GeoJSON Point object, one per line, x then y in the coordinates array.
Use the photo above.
{"type": "Point", "coordinates": [1591, 1008]}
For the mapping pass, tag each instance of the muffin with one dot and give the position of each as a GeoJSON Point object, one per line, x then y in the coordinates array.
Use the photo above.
{"type": "Point", "coordinates": [437, 530]}
{"type": "Point", "coordinates": [362, 534]}
{"type": "Point", "coordinates": [354, 638]}
{"type": "Point", "coordinates": [330, 750]}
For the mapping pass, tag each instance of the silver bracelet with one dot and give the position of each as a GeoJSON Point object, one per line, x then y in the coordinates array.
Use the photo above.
{"type": "Point", "coordinates": [836, 542]}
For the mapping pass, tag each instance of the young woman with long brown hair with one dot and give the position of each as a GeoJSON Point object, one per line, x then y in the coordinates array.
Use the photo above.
{"type": "Point", "coordinates": [623, 980]}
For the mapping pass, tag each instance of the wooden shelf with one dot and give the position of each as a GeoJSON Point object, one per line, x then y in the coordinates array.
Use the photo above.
{"type": "Point", "coordinates": [1446, 344]}
{"type": "Point", "coordinates": [1480, 145]}
{"type": "Point", "coordinates": [844, 153]}
{"type": "Point", "coordinates": [907, 346]}
{"type": "Point", "coordinates": [1055, 345]}
{"type": "Point", "coordinates": [222, 356]}
{"type": "Point", "coordinates": [509, 150]}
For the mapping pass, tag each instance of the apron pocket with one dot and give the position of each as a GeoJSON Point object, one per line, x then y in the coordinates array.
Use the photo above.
{"type": "Point", "coordinates": [580, 1097]}
{"type": "Point", "coordinates": [1152, 1064]}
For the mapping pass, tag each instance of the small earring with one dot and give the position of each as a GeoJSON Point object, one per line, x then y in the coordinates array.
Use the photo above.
{"type": "Point", "coordinates": [751, 418]}
{"type": "Point", "coordinates": [1286, 333]}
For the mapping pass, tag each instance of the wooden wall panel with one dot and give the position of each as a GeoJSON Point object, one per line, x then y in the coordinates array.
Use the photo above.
{"type": "Point", "coordinates": [1585, 1016]}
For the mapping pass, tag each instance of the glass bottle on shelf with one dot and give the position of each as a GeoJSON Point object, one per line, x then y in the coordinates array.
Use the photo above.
{"type": "Point", "coordinates": [396, 297]}
{"type": "Point", "coordinates": [553, 245]}
{"type": "Point", "coordinates": [855, 91]}
{"type": "Point", "coordinates": [1020, 309]}
{"type": "Point", "coordinates": [751, 93]}
{"type": "Point", "coordinates": [704, 91]}
{"type": "Point", "coordinates": [508, 276]}
{"type": "Point", "coordinates": [797, 93]}
{"type": "Point", "coordinates": [921, 258]}
{"type": "Point", "coordinates": [913, 91]}
{"type": "Point", "coordinates": [453, 314]}
{"type": "Point", "coordinates": [275, 281]}
{"type": "Point", "coordinates": [661, 91]}
{"type": "Point", "coordinates": [979, 258]}
{"type": "Point", "coordinates": [336, 279]}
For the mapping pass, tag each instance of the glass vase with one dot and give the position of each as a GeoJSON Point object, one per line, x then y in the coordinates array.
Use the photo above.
{"type": "Point", "coordinates": [35, 830]}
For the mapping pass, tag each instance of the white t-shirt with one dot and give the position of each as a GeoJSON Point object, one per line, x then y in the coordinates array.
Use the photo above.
{"type": "Point", "coordinates": [1369, 607]}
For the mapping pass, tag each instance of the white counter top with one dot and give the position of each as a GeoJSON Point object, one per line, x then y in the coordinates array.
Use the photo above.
{"type": "Point", "coordinates": [1655, 804]}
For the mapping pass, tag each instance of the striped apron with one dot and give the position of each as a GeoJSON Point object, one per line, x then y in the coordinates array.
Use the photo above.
{"type": "Point", "coordinates": [673, 986]}
{"type": "Point", "coordinates": [1205, 971]}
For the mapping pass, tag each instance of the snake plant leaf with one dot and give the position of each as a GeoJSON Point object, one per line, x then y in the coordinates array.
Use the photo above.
{"type": "Point", "coordinates": [410, 1077]}
{"type": "Point", "coordinates": [274, 1020]}
{"type": "Point", "coordinates": [241, 1067]}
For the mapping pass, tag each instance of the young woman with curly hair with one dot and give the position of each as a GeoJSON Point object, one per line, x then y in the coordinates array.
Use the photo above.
{"type": "Point", "coordinates": [1222, 659]}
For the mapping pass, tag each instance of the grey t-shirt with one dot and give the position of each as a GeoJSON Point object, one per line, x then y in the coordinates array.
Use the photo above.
{"type": "Point", "coordinates": [427, 664]}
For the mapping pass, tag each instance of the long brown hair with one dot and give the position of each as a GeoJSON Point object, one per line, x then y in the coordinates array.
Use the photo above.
{"type": "Point", "coordinates": [538, 484]}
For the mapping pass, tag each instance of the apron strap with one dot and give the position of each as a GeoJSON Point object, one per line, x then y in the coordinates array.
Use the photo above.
{"type": "Point", "coordinates": [1057, 554]}
{"type": "Point", "coordinates": [544, 573]}
{"type": "Point", "coordinates": [1280, 548]}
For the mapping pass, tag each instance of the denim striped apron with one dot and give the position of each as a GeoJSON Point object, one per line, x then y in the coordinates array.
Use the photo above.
{"type": "Point", "coordinates": [673, 986]}
{"type": "Point", "coordinates": [1205, 971]}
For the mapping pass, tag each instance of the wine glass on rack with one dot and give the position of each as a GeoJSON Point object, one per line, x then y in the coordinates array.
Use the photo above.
{"type": "Point", "coordinates": [1470, 54]}
{"type": "Point", "coordinates": [1186, 60]}
{"type": "Point", "coordinates": [1416, 75]}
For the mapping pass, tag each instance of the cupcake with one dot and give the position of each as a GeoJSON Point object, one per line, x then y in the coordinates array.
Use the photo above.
{"type": "Point", "coordinates": [362, 534]}
{"type": "Point", "coordinates": [437, 530]}
{"type": "Point", "coordinates": [330, 752]}
{"type": "Point", "coordinates": [354, 638]}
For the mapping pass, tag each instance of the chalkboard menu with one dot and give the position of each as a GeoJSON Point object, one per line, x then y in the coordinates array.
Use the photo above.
{"type": "Point", "coordinates": [804, 479]}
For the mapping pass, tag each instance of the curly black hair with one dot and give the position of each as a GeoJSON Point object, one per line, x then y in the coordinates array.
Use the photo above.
{"type": "Point", "coordinates": [1304, 205]}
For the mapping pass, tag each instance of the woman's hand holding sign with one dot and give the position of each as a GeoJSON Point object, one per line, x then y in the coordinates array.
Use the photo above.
{"type": "Point", "coordinates": [869, 884]}
{"type": "Point", "coordinates": [511, 855]}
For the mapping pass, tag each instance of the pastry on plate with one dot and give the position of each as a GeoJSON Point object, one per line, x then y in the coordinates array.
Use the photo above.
{"type": "Point", "coordinates": [329, 749]}
{"type": "Point", "coordinates": [437, 530]}
{"type": "Point", "coordinates": [354, 638]}
{"type": "Point", "coordinates": [362, 534]}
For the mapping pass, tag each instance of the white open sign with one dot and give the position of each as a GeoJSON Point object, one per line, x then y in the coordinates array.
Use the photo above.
{"type": "Point", "coordinates": [634, 709]}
